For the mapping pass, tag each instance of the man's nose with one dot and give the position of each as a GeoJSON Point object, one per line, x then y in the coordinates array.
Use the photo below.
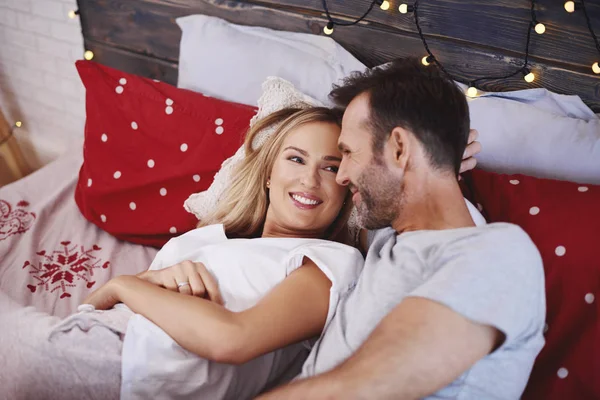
{"type": "Point", "coordinates": [342, 177]}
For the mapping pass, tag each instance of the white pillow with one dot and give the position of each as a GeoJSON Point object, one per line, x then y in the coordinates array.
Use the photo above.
{"type": "Point", "coordinates": [231, 62]}
{"type": "Point", "coordinates": [536, 141]}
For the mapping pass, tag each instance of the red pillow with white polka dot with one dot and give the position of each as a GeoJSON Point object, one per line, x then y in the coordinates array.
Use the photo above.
{"type": "Point", "coordinates": [148, 146]}
{"type": "Point", "coordinates": [563, 220]}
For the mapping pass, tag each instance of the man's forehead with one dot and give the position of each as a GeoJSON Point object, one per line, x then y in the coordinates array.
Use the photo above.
{"type": "Point", "coordinates": [355, 122]}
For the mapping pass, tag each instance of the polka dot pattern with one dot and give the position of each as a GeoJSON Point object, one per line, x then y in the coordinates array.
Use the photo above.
{"type": "Point", "coordinates": [139, 148]}
{"type": "Point", "coordinates": [219, 130]}
{"type": "Point", "coordinates": [514, 182]}
{"type": "Point", "coordinates": [583, 189]}
{"type": "Point", "coordinates": [562, 373]}
{"type": "Point", "coordinates": [560, 251]}
{"type": "Point", "coordinates": [534, 210]}
{"type": "Point", "coordinates": [589, 298]}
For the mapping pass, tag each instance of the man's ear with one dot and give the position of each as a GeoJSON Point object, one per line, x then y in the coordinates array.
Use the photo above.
{"type": "Point", "coordinates": [400, 144]}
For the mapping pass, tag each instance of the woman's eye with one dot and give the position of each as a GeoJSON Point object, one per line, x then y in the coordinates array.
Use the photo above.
{"type": "Point", "coordinates": [333, 169]}
{"type": "Point", "coordinates": [296, 159]}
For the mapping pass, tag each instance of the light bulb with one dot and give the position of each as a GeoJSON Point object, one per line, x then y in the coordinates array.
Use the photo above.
{"type": "Point", "coordinates": [73, 14]}
{"type": "Point", "coordinates": [472, 91]}
{"type": "Point", "coordinates": [385, 5]}
{"type": "Point", "coordinates": [530, 77]}
{"type": "Point", "coordinates": [328, 28]}
{"type": "Point", "coordinates": [540, 28]}
{"type": "Point", "coordinates": [427, 60]}
{"type": "Point", "coordinates": [405, 8]}
{"type": "Point", "coordinates": [18, 124]}
{"type": "Point", "coordinates": [596, 68]}
{"type": "Point", "coordinates": [88, 55]}
{"type": "Point", "coordinates": [570, 6]}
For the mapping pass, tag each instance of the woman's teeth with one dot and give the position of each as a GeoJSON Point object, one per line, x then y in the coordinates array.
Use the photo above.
{"type": "Point", "coordinates": [304, 200]}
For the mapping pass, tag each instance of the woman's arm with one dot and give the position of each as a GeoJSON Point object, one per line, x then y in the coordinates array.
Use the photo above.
{"type": "Point", "coordinates": [294, 310]}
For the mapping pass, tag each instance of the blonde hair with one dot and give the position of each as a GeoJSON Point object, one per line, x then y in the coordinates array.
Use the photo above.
{"type": "Point", "coordinates": [243, 208]}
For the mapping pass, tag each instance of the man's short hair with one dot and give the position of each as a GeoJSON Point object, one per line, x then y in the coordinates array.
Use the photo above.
{"type": "Point", "coordinates": [418, 98]}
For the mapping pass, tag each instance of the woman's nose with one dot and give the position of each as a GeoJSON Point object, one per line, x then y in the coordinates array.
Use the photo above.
{"type": "Point", "coordinates": [311, 178]}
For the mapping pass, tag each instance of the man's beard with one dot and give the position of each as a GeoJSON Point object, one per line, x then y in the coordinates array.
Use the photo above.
{"type": "Point", "coordinates": [381, 197]}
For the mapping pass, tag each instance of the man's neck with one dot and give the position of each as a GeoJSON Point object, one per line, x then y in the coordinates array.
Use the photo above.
{"type": "Point", "coordinates": [433, 202]}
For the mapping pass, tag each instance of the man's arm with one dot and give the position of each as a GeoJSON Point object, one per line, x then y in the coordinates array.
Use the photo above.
{"type": "Point", "coordinates": [419, 348]}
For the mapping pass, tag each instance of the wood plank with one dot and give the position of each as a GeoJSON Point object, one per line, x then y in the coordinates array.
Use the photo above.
{"type": "Point", "coordinates": [147, 27]}
{"type": "Point", "coordinates": [133, 63]}
{"type": "Point", "coordinates": [498, 25]}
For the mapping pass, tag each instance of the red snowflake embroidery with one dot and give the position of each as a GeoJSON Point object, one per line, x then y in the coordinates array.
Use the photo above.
{"type": "Point", "coordinates": [63, 268]}
{"type": "Point", "coordinates": [13, 222]}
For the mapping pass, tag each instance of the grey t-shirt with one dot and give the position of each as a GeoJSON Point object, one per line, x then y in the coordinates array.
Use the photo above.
{"type": "Point", "coordinates": [492, 275]}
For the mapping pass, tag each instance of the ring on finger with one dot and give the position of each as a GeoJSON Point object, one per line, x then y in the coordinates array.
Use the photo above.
{"type": "Point", "coordinates": [182, 284]}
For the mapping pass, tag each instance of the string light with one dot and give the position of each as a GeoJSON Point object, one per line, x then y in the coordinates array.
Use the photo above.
{"type": "Point", "coordinates": [385, 5]}
{"type": "Point", "coordinates": [596, 68]}
{"type": "Point", "coordinates": [18, 124]}
{"type": "Point", "coordinates": [405, 8]}
{"type": "Point", "coordinates": [328, 30]}
{"type": "Point", "coordinates": [88, 55]}
{"type": "Point", "coordinates": [472, 91]}
{"type": "Point", "coordinates": [73, 14]}
{"type": "Point", "coordinates": [528, 75]}
{"type": "Point", "coordinates": [570, 6]}
{"type": "Point", "coordinates": [427, 60]}
{"type": "Point", "coordinates": [539, 27]}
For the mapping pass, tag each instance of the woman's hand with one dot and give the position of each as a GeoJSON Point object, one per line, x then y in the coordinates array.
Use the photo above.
{"type": "Point", "coordinates": [187, 277]}
{"type": "Point", "coordinates": [473, 148]}
{"type": "Point", "coordinates": [106, 296]}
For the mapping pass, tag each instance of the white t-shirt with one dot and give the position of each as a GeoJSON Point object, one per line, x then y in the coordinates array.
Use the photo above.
{"type": "Point", "coordinates": [155, 366]}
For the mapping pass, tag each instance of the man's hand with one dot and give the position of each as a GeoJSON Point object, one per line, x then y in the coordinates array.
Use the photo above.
{"type": "Point", "coordinates": [196, 280]}
{"type": "Point", "coordinates": [473, 148]}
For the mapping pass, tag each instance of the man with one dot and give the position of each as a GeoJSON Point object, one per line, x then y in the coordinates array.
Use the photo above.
{"type": "Point", "coordinates": [442, 309]}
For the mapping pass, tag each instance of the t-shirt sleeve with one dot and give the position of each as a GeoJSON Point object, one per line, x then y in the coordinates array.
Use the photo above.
{"type": "Point", "coordinates": [495, 279]}
{"type": "Point", "coordinates": [342, 264]}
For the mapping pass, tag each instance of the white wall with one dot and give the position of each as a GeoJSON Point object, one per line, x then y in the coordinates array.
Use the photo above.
{"type": "Point", "coordinates": [39, 84]}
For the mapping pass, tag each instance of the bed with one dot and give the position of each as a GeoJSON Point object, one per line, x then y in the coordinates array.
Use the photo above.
{"type": "Point", "coordinates": [54, 248]}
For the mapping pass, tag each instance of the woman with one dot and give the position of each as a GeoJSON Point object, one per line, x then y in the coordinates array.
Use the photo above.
{"type": "Point", "coordinates": [278, 288]}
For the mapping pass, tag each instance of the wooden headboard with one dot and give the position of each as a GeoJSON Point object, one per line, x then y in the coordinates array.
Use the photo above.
{"type": "Point", "coordinates": [472, 38]}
